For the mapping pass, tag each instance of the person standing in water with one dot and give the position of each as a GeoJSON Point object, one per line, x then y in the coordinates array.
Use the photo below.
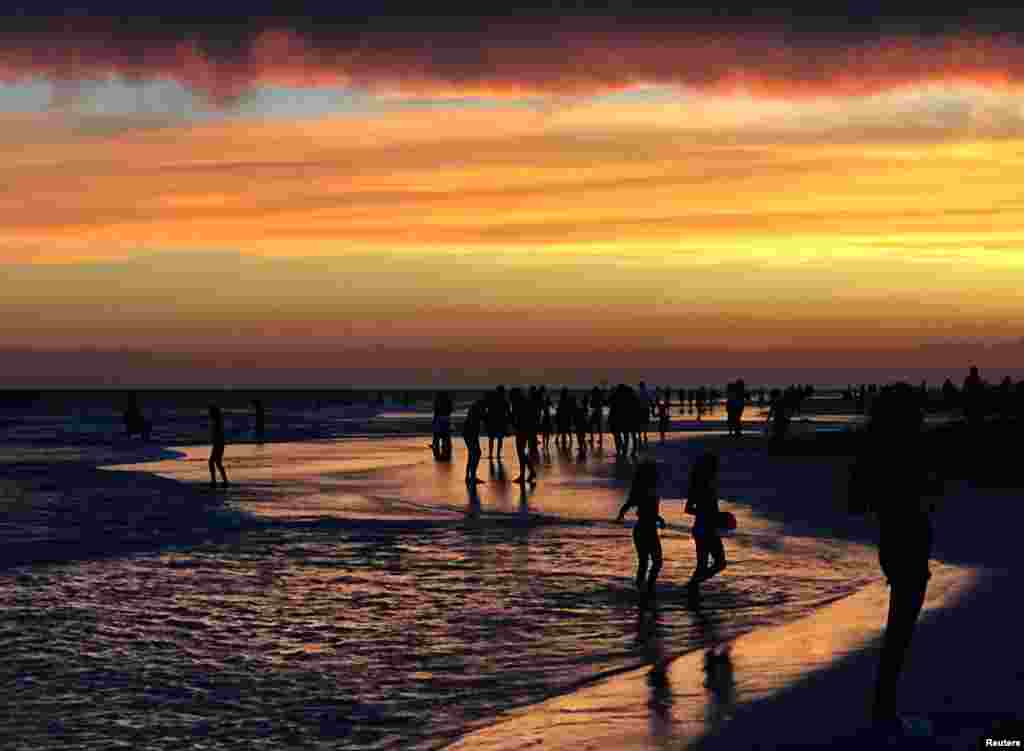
{"type": "Point", "coordinates": [217, 441]}
{"type": "Point", "coordinates": [643, 496]}
{"type": "Point", "coordinates": [497, 420]}
{"type": "Point", "coordinates": [523, 419]}
{"type": "Point", "coordinates": [471, 435]}
{"type": "Point", "coordinates": [702, 502]}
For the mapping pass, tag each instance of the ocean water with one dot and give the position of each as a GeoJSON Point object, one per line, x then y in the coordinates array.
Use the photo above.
{"type": "Point", "coordinates": [364, 599]}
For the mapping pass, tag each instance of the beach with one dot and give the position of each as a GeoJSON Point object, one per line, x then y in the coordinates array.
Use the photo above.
{"type": "Point", "coordinates": [347, 591]}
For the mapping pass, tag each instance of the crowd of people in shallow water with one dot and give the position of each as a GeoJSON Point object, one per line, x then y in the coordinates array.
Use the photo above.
{"type": "Point", "coordinates": [896, 475]}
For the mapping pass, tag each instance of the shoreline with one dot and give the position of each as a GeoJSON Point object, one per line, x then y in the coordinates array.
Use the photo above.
{"type": "Point", "coordinates": [823, 698]}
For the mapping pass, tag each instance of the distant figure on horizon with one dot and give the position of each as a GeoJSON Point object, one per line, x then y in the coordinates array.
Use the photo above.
{"type": "Point", "coordinates": [134, 421]}
{"type": "Point", "coordinates": [582, 420]}
{"type": "Point", "coordinates": [498, 418]}
{"type": "Point", "coordinates": [736, 401]}
{"type": "Point", "coordinates": [974, 396]}
{"type": "Point", "coordinates": [778, 416]}
{"type": "Point", "coordinates": [643, 496]}
{"type": "Point", "coordinates": [645, 410]}
{"type": "Point", "coordinates": [702, 502]}
{"type": "Point", "coordinates": [663, 418]}
{"type": "Point", "coordinates": [564, 414]}
{"type": "Point", "coordinates": [261, 415]}
{"type": "Point", "coordinates": [891, 478]}
{"type": "Point", "coordinates": [701, 397]}
{"type": "Point", "coordinates": [217, 442]}
{"type": "Point", "coordinates": [471, 435]}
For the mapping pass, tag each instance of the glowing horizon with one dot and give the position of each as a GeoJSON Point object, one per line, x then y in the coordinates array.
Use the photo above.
{"type": "Point", "coordinates": [876, 213]}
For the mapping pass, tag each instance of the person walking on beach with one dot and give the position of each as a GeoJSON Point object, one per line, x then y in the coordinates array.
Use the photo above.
{"type": "Point", "coordinates": [217, 450]}
{"type": "Point", "coordinates": [643, 496]}
{"type": "Point", "coordinates": [663, 419]}
{"type": "Point", "coordinates": [497, 420]}
{"type": "Point", "coordinates": [892, 479]}
{"type": "Point", "coordinates": [523, 420]}
{"type": "Point", "coordinates": [702, 502]}
{"type": "Point", "coordinates": [471, 435]}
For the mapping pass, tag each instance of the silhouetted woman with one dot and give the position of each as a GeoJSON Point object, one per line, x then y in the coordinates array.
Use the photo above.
{"type": "Point", "coordinates": [702, 502]}
{"type": "Point", "coordinates": [497, 420]}
{"type": "Point", "coordinates": [471, 435]}
{"type": "Point", "coordinates": [643, 496]}
{"type": "Point", "coordinates": [443, 408]}
{"type": "Point", "coordinates": [663, 420]}
{"type": "Point", "coordinates": [891, 478]}
{"type": "Point", "coordinates": [523, 418]}
{"type": "Point", "coordinates": [217, 450]}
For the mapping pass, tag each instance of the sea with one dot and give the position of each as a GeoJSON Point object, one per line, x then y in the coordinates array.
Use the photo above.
{"type": "Point", "coordinates": [354, 592]}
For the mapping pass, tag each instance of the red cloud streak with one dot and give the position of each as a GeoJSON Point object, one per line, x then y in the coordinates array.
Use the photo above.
{"type": "Point", "coordinates": [520, 59]}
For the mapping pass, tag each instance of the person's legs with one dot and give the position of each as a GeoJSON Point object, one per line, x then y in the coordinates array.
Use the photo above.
{"type": "Point", "coordinates": [905, 601]}
{"type": "Point", "coordinates": [652, 576]}
{"type": "Point", "coordinates": [217, 460]}
{"type": "Point", "coordinates": [716, 551]}
{"type": "Point", "coordinates": [702, 556]}
{"type": "Point", "coordinates": [642, 554]}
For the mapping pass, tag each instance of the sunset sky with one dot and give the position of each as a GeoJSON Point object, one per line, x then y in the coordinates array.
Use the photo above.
{"type": "Point", "coordinates": [396, 200]}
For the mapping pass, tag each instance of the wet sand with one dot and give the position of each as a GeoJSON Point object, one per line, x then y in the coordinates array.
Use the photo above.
{"type": "Point", "coordinates": [808, 683]}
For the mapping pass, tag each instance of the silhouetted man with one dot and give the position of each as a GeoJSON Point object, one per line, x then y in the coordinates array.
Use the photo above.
{"type": "Point", "coordinates": [217, 446]}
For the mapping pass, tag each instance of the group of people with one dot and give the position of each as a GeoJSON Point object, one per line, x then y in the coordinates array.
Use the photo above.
{"type": "Point", "coordinates": [535, 420]}
{"type": "Point", "coordinates": [701, 502]}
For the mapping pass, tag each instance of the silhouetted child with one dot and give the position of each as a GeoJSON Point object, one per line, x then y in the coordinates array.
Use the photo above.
{"type": "Point", "coordinates": [702, 502]}
{"type": "Point", "coordinates": [217, 441]}
{"type": "Point", "coordinates": [471, 435]}
{"type": "Point", "coordinates": [643, 495]}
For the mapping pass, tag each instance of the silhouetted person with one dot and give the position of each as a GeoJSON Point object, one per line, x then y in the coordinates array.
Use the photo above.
{"type": "Point", "coordinates": [643, 496]}
{"type": "Point", "coordinates": [702, 502]}
{"type": "Point", "coordinates": [778, 416]}
{"type": "Point", "coordinates": [645, 410]}
{"type": "Point", "coordinates": [735, 404]}
{"type": "Point", "coordinates": [564, 414]}
{"type": "Point", "coordinates": [891, 478]}
{"type": "Point", "coordinates": [261, 420]}
{"type": "Point", "coordinates": [537, 405]}
{"type": "Point", "coordinates": [596, 409]}
{"type": "Point", "coordinates": [498, 417]}
{"type": "Point", "coordinates": [442, 444]}
{"type": "Point", "coordinates": [523, 418]}
{"type": "Point", "coordinates": [471, 435]}
{"type": "Point", "coordinates": [134, 421]}
{"type": "Point", "coordinates": [582, 420]}
{"type": "Point", "coordinates": [217, 446]}
{"type": "Point", "coordinates": [702, 396]}
{"type": "Point", "coordinates": [663, 419]}
{"type": "Point", "coordinates": [547, 424]}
